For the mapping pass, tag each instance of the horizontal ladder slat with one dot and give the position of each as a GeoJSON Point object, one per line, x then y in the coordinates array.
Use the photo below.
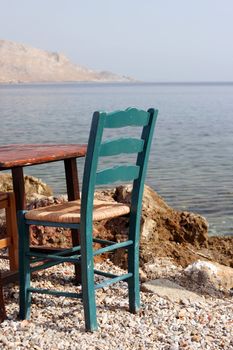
{"type": "Point", "coordinates": [113, 280]}
{"type": "Point", "coordinates": [52, 224]}
{"type": "Point", "coordinates": [65, 252]}
{"type": "Point", "coordinates": [105, 274]}
{"type": "Point", "coordinates": [43, 266]}
{"type": "Point", "coordinates": [113, 247]}
{"type": "Point", "coordinates": [55, 257]}
{"type": "Point", "coordinates": [129, 117]}
{"type": "Point", "coordinates": [57, 251]}
{"type": "Point", "coordinates": [118, 173]}
{"type": "Point", "coordinates": [55, 293]}
{"type": "Point", "coordinates": [102, 241]}
{"type": "Point", "coordinates": [119, 146]}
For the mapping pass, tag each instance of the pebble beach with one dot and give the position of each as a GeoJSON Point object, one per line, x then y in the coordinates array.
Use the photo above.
{"type": "Point", "coordinates": [162, 323]}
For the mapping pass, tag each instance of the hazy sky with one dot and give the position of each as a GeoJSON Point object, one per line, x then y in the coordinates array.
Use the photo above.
{"type": "Point", "coordinates": [153, 40]}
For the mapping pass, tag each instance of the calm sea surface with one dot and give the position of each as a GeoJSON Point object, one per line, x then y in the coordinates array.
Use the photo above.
{"type": "Point", "coordinates": [191, 163]}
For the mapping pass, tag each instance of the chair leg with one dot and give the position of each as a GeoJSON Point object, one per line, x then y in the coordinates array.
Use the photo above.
{"type": "Point", "coordinates": [24, 268]}
{"type": "Point", "coordinates": [88, 289]}
{"type": "Point", "coordinates": [2, 305]}
{"type": "Point", "coordinates": [133, 282]}
{"type": "Point", "coordinates": [12, 231]}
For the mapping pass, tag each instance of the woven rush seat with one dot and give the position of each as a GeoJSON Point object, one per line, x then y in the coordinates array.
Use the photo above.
{"type": "Point", "coordinates": [69, 212]}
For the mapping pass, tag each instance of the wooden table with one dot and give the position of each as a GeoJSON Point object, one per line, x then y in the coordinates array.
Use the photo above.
{"type": "Point", "coordinates": [15, 157]}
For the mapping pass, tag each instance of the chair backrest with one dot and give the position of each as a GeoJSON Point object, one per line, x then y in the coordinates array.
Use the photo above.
{"type": "Point", "coordinates": [97, 148]}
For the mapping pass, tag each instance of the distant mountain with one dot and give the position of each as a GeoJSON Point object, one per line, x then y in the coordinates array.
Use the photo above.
{"type": "Point", "coordinates": [21, 63]}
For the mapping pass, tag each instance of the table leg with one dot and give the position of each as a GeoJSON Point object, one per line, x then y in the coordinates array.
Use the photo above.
{"type": "Point", "coordinates": [72, 182]}
{"type": "Point", "coordinates": [72, 185]}
{"type": "Point", "coordinates": [18, 186]}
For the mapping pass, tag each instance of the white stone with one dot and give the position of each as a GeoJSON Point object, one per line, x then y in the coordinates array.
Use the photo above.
{"type": "Point", "coordinates": [211, 273]}
{"type": "Point", "coordinates": [172, 291]}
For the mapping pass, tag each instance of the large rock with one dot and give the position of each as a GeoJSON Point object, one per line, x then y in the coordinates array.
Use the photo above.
{"type": "Point", "coordinates": [164, 231]}
{"type": "Point", "coordinates": [33, 186]}
{"type": "Point", "coordinates": [159, 220]}
{"type": "Point", "coordinates": [166, 222]}
{"type": "Point", "coordinates": [170, 290]}
{"type": "Point", "coordinates": [210, 275]}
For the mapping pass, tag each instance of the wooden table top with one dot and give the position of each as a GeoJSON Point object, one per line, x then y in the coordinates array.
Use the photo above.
{"type": "Point", "coordinates": [19, 155]}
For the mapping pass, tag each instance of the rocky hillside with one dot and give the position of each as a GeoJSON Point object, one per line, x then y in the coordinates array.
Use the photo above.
{"type": "Point", "coordinates": [21, 63]}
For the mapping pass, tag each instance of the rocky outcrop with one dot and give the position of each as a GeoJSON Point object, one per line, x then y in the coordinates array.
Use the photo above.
{"type": "Point", "coordinates": [180, 237]}
{"type": "Point", "coordinates": [161, 223]}
{"type": "Point", "coordinates": [33, 186]}
{"type": "Point", "coordinates": [22, 63]}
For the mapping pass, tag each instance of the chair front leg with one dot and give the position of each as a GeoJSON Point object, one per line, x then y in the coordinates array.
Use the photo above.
{"type": "Point", "coordinates": [88, 288]}
{"type": "Point", "coordinates": [24, 268]}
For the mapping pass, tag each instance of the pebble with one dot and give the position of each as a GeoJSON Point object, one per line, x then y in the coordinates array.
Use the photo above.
{"type": "Point", "coordinates": [58, 323]}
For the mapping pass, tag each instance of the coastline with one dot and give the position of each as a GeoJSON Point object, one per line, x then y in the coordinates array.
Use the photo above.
{"type": "Point", "coordinates": [182, 307]}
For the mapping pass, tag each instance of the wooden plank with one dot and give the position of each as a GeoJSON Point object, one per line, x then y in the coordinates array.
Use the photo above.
{"type": "Point", "coordinates": [119, 146]}
{"type": "Point", "coordinates": [4, 242]}
{"type": "Point", "coordinates": [117, 173]}
{"type": "Point", "coordinates": [15, 155]}
{"type": "Point", "coordinates": [129, 117]}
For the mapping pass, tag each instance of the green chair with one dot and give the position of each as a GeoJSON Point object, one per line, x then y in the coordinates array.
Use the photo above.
{"type": "Point", "coordinates": [80, 214]}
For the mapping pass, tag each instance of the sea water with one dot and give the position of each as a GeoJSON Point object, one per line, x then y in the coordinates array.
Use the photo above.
{"type": "Point", "coordinates": [191, 162]}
